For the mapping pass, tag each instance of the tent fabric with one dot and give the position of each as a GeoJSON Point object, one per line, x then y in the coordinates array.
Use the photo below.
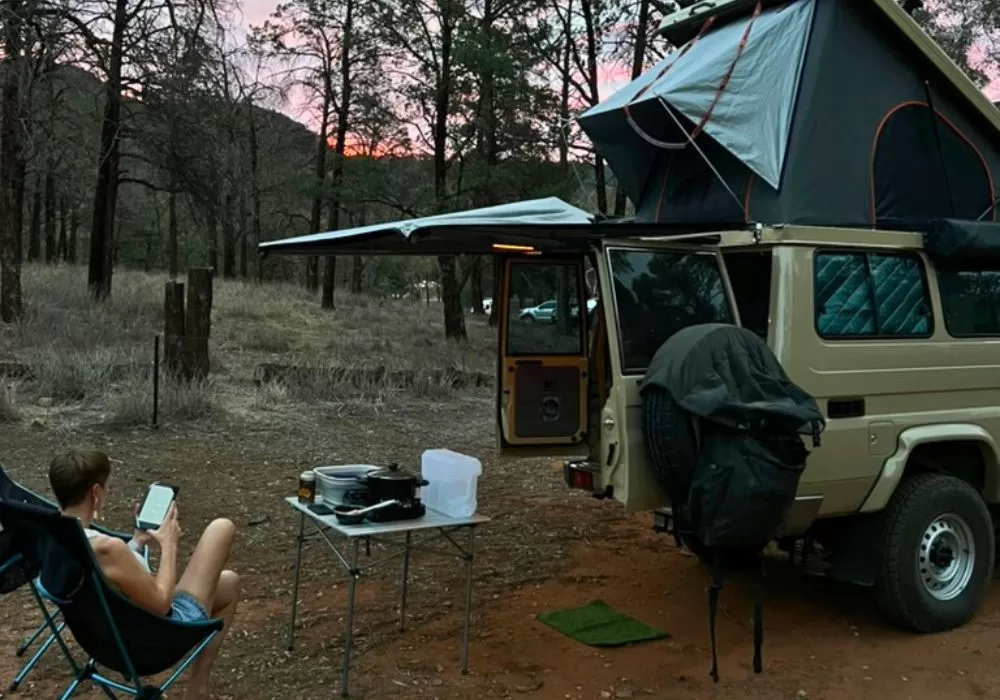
{"type": "Point", "coordinates": [727, 375]}
{"type": "Point", "coordinates": [858, 154]}
{"type": "Point", "coordinates": [924, 168]}
{"type": "Point", "coordinates": [751, 117]}
{"type": "Point", "coordinates": [967, 243]}
{"type": "Point", "coordinates": [550, 214]}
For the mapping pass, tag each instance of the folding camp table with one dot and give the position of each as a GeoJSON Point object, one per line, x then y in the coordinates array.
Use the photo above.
{"type": "Point", "coordinates": [434, 526]}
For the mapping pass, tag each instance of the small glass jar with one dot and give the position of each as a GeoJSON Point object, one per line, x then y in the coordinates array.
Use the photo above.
{"type": "Point", "coordinates": [307, 486]}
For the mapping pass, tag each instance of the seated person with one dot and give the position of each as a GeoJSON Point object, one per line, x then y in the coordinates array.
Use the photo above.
{"type": "Point", "coordinates": [206, 589]}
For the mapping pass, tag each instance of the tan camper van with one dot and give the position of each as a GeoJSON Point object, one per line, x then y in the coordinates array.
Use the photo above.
{"type": "Point", "coordinates": [820, 173]}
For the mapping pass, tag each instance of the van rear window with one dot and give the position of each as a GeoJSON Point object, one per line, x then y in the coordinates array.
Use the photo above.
{"type": "Point", "coordinates": [657, 293]}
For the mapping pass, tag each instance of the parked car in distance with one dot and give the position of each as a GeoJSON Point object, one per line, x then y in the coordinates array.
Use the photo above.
{"type": "Point", "coordinates": [544, 312]}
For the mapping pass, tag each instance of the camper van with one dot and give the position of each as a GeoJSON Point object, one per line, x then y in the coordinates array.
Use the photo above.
{"type": "Point", "coordinates": [820, 173]}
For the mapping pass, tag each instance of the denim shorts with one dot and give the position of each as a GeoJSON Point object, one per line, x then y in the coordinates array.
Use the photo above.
{"type": "Point", "coordinates": [185, 608]}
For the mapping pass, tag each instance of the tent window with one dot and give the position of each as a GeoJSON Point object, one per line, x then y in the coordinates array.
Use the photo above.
{"type": "Point", "coordinates": [971, 302]}
{"type": "Point", "coordinates": [924, 168]}
{"type": "Point", "coordinates": [860, 295]}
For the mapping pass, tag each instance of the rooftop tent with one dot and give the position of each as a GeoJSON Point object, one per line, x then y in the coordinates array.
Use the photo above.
{"type": "Point", "coordinates": [549, 225]}
{"type": "Point", "coordinates": [758, 58]}
{"type": "Point", "coordinates": [820, 112]}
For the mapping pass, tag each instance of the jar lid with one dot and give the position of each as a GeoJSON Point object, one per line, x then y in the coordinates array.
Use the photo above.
{"type": "Point", "coordinates": [308, 475]}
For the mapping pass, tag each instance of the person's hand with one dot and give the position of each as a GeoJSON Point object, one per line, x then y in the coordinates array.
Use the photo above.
{"type": "Point", "coordinates": [169, 531]}
{"type": "Point", "coordinates": [142, 538]}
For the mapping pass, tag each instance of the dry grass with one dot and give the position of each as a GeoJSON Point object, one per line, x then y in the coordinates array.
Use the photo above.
{"type": "Point", "coordinates": [99, 356]}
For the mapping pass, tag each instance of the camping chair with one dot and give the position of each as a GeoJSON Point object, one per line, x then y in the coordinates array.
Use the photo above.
{"type": "Point", "coordinates": [16, 572]}
{"type": "Point", "coordinates": [116, 633]}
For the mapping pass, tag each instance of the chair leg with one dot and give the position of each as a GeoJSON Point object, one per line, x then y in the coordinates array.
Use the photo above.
{"type": "Point", "coordinates": [28, 641]}
{"type": "Point", "coordinates": [36, 657]}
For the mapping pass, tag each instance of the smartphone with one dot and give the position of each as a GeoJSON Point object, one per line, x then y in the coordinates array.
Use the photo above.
{"type": "Point", "coordinates": [154, 508]}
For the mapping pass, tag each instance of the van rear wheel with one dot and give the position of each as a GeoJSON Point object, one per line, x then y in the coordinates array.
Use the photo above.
{"type": "Point", "coordinates": [937, 553]}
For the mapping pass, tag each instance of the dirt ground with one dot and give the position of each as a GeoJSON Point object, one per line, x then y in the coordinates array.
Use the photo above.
{"type": "Point", "coordinates": [546, 548]}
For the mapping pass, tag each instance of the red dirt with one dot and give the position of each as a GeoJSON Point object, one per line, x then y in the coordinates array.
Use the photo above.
{"type": "Point", "coordinates": [547, 548]}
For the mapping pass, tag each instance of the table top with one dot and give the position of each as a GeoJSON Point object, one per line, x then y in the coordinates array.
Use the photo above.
{"type": "Point", "coordinates": [432, 519]}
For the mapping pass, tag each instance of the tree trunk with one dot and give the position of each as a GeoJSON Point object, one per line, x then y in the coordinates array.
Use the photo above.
{"type": "Point", "coordinates": [173, 255]}
{"type": "Point", "coordinates": [340, 134]}
{"type": "Point", "coordinates": [319, 176]}
{"type": "Point", "coordinates": [106, 190]}
{"type": "Point", "coordinates": [638, 60]}
{"type": "Point", "coordinates": [244, 234]}
{"type": "Point", "coordinates": [255, 190]}
{"type": "Point", "coordinates": [357, 274]}
{"type": "Point", "coordinates": [35, 232]}
{"type": "Point", "coordinates": [50, 164]}
{"type": "Point", "coordinates": [74, 226]}
{"type": "Point", "coordinates": [212, 234]}
{"type": "Point", "coordinates": [476, 280]}
{"type": "Point", "coordinates": [564, 114]}
{"type": "Point", "coordinates": [198, 322]}
{"type": "Point", "coordinates": [50, 217]}
{"type": "Point", "coordinates": [454, 317]}
{"type": "Point", "coordinates": [595, 97]}
{"type": "Point", "coordinates": [62, 250]}
{"type": "Point", "coordinates": [173, 327]}
{"type": "Point", "coordinates": [497, 291]}
{"type": "Point", "coordinates": [11, 164]}
{"type": "Point", "coordinates": [228, 236]}
{"type": "Point", "coordinates": [330, 264]}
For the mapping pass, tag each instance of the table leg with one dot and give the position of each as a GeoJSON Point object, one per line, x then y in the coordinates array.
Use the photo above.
{"type": "Point", "coordinates": [295, 586]}
{"type": "Point", "coordinates": [351, 588]}
{"type": "Point", "coordinates": [406, 576]}
{"type": "Point", "coordinates": [468, 599]}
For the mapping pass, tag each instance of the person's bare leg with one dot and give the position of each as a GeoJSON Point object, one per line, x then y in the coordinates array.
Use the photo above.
{"type": "Point", "coordinates": [204, 580]}
{"type": "Point", "coordinates": [201, 577]}
{"type": "Point", "coordinates": [227, 596]}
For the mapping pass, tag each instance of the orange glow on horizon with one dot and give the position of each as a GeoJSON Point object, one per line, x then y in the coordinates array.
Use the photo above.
{"type": "Point", "coordinates": [356, 147]}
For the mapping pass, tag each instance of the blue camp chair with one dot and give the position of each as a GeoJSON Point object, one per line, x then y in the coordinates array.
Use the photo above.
{"type": "Point", "coordinates": [115, 632]}
{"type": "Point", "coordinates": [15, 573]}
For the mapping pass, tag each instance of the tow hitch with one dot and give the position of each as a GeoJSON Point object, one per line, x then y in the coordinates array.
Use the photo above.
{"type": "Point", "coordinates": [663, 521]}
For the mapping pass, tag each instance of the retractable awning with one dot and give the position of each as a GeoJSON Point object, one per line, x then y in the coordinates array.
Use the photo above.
{"type": "Point", "coordinates": [548, 225]}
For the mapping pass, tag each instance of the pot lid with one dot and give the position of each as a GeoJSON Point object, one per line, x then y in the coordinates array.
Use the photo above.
{"type": "Point", "coordinates": [392, 473]}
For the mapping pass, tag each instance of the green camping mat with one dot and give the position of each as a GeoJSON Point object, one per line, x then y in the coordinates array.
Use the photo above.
{"type": "Point", "coordinates": [600, 625]}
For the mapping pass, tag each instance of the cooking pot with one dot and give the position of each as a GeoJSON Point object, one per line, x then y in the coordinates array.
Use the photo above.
{"type": "Point", "coordinates": [392, 483]}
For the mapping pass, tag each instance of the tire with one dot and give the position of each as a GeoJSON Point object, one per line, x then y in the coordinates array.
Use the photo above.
{"type": "Point", "coordinates": [914, 588]}
{"type": "Point", "coordinates": [670, 445]}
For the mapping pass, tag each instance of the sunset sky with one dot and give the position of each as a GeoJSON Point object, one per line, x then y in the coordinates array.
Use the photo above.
{"type": "Point", "coordinates": [255, 12]}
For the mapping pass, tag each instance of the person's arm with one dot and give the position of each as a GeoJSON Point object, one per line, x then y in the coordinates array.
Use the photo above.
{"type": "Point", "coordinates": [124, 570]}
{"type": "Point", "coordinates": [121, 567]}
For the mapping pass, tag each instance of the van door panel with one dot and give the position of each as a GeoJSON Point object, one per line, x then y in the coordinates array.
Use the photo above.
{"type": "Point", "coordinates": [647, 290]}
{"type": "Point", "coordinates": [543, 382]}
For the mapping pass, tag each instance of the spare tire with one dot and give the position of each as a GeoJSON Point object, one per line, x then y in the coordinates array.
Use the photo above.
{"type": "Point", "coordinates": [672, 451]}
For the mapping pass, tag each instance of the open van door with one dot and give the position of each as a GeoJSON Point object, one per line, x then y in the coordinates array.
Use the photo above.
{"type": "Point", "coordinates": [649, 290]}
{"type": "Point", "coordinates": [542, 381]}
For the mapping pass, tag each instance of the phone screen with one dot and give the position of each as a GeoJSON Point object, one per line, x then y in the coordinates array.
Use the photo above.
{"type": "Point", "coordinates": [154, 508]}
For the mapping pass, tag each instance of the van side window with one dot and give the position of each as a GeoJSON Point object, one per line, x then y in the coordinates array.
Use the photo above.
{"type": "Point", "coordinates": [971, 301]}
{"type": "Point", "coordinates": [657, 293]}
{"type": "Point", "coordinates": [870, 295]}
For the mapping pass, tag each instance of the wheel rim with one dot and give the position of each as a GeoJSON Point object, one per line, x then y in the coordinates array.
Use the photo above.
{"type": "Point", "coordinates": [946, 557]}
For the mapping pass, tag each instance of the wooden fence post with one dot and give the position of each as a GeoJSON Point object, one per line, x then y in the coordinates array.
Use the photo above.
{"type": "Point", "coordinates": [173, 327]}
{"type": "Point", "coordinates": [198, 321]}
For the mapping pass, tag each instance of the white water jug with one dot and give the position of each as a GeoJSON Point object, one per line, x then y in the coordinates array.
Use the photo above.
{"type": "Point", "coordinates": [452, 480]}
